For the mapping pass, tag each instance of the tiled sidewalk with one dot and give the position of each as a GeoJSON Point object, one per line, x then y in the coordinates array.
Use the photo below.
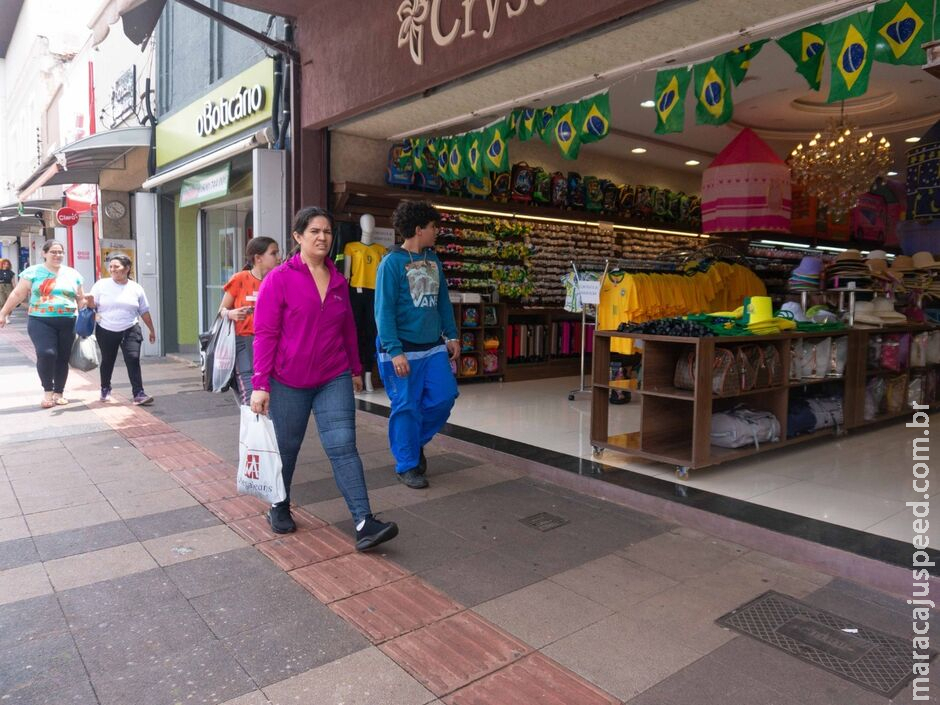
{"type": "Point", "coordinates": [131, 573]}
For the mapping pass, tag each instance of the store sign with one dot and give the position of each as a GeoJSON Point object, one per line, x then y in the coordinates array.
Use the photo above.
{"type": "Point", "coordinates": [124, 95]}
{"type": "Point", "coordinates": [416, 15]}
{"type": "Point", "coordinates": [67, 217]}
{"type": "Point", "coordinates": [204, 187]}
{"type": "Point", "coordinates": [237, 104]}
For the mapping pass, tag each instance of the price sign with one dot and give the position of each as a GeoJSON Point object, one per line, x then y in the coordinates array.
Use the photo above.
{"type": "Point", "coordinates": [589, 291]}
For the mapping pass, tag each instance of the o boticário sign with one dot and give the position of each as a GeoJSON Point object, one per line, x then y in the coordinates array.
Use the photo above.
{"type": "Point", "coordinates": [239, 103]}
{"type": "Point", "coordinates": [204, 187]}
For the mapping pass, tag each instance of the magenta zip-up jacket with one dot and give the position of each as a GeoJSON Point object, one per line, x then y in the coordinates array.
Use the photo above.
{"type": "Point", "coordinates": [301, 341]}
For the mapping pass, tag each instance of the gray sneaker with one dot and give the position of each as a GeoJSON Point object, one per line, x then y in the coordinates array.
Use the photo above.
{"type": "Point", "coordinates": [413, 479]}
{"type": "Point", "coordinates": [105, 394]}
{"type": "Point", "coordinates": [142, 399]}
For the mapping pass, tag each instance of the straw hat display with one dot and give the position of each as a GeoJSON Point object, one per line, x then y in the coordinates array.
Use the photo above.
{"type": "Point", "coordinates": [807, 276]}
{"type": "Point", "coordinates": [848, 267]}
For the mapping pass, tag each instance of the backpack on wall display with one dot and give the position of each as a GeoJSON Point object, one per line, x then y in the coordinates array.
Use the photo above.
{"type": "Point", "coordinates": [626, 200]}
{"type": "Point", "coordinates": [611, 196]}
{"type": "Point", "coordinates": [869, 219]}
{"type": "Point", "coordinates": [559, 190]}
{"type": "Point", "coordinates": [479, 187]}
{"type": "Point", "coordinates": [454, 187]}
{"type": "Point", "coordinates": [501, 187]}
{"type": "Point", "coordinates": [395, 173]}
{"type": "Point", "coordinates": [428, 182]}
{"type": "Point", "coordinates": [542, 190]}
{"type": "Point", "coordinates": [642, 203]}
{"type": "Point", "coordinates": [523, 182]}
{"type": "Point", "coordinates": [593, 193]}
{"type": "Point", "coordinates": [575, 190]}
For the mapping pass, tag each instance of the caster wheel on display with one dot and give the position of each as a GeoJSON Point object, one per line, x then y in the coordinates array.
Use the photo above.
{"type": "Point", "coordinates": [682, 472]}
{"type": "Point", "coordinates": [596, 451]}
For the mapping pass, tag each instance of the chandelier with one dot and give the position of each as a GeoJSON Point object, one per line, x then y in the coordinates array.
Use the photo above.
{"type": "Point", "coordinates": [838, 165]}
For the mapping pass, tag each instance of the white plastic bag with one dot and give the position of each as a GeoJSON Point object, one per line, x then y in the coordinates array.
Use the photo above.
{"type": "Point", "coordinates": [223, 358]}
{"type": "Point", "coordinates": [259, 462]}
{"type": "Point", "coordinates": [86, 355]}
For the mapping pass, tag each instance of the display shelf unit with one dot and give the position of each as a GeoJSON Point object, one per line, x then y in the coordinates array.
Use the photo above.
{"type": "Point", "coordinates": [675, 424]}
{"type": "Point", "coordinates": [480, 331]}
{"type": "Point", "coordinates": [550, 364]}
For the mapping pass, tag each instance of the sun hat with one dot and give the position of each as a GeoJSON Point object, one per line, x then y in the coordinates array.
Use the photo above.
{"type": "Point", "coordinates": [902, 263]}
{"type": "Point", "coordinates": [849, 256]}
{"type": "Point", "coordinates": [878, 267]}
{"type": "Point", "coordinates": [795, 311]}
{"type": "Point", "coordinates": [758, 310]}
{"type": "Point", "coordinates": [809, 266]}
{"type": "Point", "coordinates": [865, 313]}
{"type": "Point", "coordinates": [884, 309]}
{"type": "Point", "coordinates": [877, 254]}
{"type": "Point", "coordinates": [924, 260]}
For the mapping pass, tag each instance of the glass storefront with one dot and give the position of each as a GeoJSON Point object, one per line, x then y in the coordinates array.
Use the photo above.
{"type": "Point", "coordinates": [226, 230]}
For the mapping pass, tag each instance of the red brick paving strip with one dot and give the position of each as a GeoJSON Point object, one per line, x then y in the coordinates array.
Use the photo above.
{"type": "Point", "coordinates": [343, 577]}
{"type": "Point", "coordinates": [256, 529]}
{"type": "Point", "coordinates": [449, 654]}
{"type": "Point", "coordinates": [389, 611]}
{"type": "Point", "coordinates": [297, 550]}
{"type": "Point", "coordinates": [213, 491]}
{"type": "Point", "coordinates": [533, 679]}
{"type": "Point", "coordinates": [174, 451]}
{"type": "Point", "coordinates": [432, 637]}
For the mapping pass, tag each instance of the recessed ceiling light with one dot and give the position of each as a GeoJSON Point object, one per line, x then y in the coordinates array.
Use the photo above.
{"type": "Point", "coordinates": [639, 150]}
{"type": "Point", "coordinates": [912, 139]}
{"type": "Point", "coordinates": [693, 162]}
{"type": "Point", "coordinates": [892, 173]}
{"type": "Point", "coordinates": [648, 104]}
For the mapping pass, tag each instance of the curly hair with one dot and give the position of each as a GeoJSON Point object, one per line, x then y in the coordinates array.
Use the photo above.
{"type": "Point", "coordinates": [413, 214]}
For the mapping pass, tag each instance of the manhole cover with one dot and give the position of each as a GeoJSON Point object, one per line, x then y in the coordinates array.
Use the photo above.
{"type": "Point", "coordinates": [543, 521]}
{"type": "Point", "coordinates": [867, 657]}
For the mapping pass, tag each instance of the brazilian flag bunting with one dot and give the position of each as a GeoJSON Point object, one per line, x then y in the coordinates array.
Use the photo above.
{"type": "Point", "coordinates": [474, 165]}
{"type": "Point", "coordinates": [512, 123]}
{"type": "Point", "coordinates": [525, 130]}
{"type": "Point", "coordinates": [806, 47]}
{"type": "Point", "coordinates": [593, 118]}
{"type": "Point", "coordinates": [418, 154]}
{"type": "Point", "coordinates": [495, 153]}
{"type": "Point", "coordinates": [739, 60]}
{"type": "Point", "coordinates": [669, 96]}
{"type": "Point", "coordinates": [565, 130]}
{"type": "Point", "coordinates": [457, 162]}
{"type": "Point", "coordinates": [899, 28]}
{"type": "Point", "coordinates": [443, 158]}
{"type": "Point", "coordinates": [713, 104]}
{"type": "Point", "coordinates": [849, 42]}
{"type": "Point", "coordinates": [544, 118]}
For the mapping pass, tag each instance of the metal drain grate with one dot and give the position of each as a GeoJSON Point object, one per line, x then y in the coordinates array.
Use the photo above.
{"type": "Point", "coordinates": [867, 657]}
{"type": "Point", "coordinates": [543, 521]}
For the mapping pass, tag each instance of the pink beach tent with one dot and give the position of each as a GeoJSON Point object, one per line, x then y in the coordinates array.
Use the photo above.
{"type": "Point", "coordinates": [746, 188]}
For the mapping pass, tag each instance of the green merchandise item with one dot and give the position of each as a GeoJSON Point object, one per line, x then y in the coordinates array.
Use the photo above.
{"type": "Point", "coordinates": [669, 95]}
{"type": "Point", "coordinates": [849, 42]}
{"type": "Point", "coordinates": [495, 152]}
{"type": "Point", "coordinates": [525, 130]}
{"type": "Point", "coordinates": [899, 30]}
{"type": "Point", "coordinates": [806, 47]}
{"type": "Point", "coordinates": [544, 118]}
{"type": "Point", "coordinates": [565, 130]}
{"type": "Point", "coordinates": [739, 60]}
{"type": "Point", "coordinates": [713, 103]}
{"type": "Point", "coordinates": [419, 154]}
{"type": "Point", "coordinates": [457, 162]}
{"type": "Point", "coordinates": [473, 156]}
{"type": "Point", "coordinates": [593, 118]}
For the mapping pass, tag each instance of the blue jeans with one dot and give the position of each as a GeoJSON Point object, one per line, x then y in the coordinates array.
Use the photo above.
{"type": "Point", "coordinates": [421, 402]}
{"type": "Point", "coordinates": [244, 368]}
{"type": "Point", "coordinates": [334, 408]}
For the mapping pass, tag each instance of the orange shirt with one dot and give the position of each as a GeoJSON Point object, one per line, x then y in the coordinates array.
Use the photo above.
{"type": "Point", "coordinates": [244, 290]}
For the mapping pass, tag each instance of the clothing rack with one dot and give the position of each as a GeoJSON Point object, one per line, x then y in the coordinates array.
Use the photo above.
{"type": "Point", "coordinates": [577, 280]}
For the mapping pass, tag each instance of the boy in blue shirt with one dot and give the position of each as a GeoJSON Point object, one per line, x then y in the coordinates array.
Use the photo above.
{"type": "Point", "coordinates": [417, 338]}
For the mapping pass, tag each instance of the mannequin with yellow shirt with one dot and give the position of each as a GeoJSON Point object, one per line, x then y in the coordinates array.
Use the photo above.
{"type": "Point", "coordinates": [360, 264]}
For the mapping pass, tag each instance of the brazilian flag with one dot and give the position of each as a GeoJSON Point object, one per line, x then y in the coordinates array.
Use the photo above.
{"type": "Point", "coordinates": [544, 118]}
{"type": "Point", "coordinates": [565, 130]}
{"type": "Point", "coordinates": [525, 130]}
{"type": "Point", "coordinates": [406, 155]}
{"type": "Point", "coordinates": [593, 118]}
{"type": "Point", "coordinates": [495, 153]}
{"type": "Point", "coordinates": [806, 48]}
{"type": "Point", "coordinates": [457, 160]}
{"type": "Point", "coordinates": [669, 96]}
{"type": "Point", "coordinates": [849, 42]}
{"type": "Point", "coordinates": [713, 104]}
{"type": "Point", "coordinates": [473, 145]}
{"type": "Point", "coordinates": [899, 28]}
{"type": "Point", "coordinates": [512, 123]}
{"type": "Point", "coordinates": [443, 158]}
{"type": "Point", "coordinates": [739, 60]}
{"type": "Point", "coordinates": [433, 147]}
{"type": "Point", "coordinates": [418, 154]}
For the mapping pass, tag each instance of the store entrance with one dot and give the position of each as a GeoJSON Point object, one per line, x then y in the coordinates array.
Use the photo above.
{"type": "Point", "coordinates": [226, 229]}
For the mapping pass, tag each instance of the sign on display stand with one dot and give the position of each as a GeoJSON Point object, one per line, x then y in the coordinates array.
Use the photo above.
{"type": "Point", "coordinates": [589, 290]}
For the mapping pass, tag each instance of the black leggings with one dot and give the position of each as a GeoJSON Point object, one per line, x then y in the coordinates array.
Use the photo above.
{"type": "Point", "coordinates": [52, 337]}
{"type": "Point", "coordinates": [128, 341]}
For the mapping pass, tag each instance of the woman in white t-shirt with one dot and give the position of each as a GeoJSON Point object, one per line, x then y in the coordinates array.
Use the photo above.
{"type": "Point", "coordinates": [120, 303]}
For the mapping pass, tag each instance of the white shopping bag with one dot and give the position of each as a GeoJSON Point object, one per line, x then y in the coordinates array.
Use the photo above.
{"type": "Point", "coordinates": [223, 358]}
{"type": "Point", "coordinates": [86, 355]}
{"type": "Point", "coordinates": [259, 462]}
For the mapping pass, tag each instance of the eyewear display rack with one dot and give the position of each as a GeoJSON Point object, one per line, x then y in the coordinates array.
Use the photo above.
{"type": "Point", "coordinates": [675, 424]}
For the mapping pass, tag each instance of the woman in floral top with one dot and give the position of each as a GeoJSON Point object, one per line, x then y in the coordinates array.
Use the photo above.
{"type": "Point", "coordinates": [55, 295]}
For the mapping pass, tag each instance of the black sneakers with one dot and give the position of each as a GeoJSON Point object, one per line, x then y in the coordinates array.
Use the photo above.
{"type": "Point", "coordinates": [413, 479]}
{"type": "Point", "coordinates": [422, 463]}
{"type": "Point", "coordinates": [280, 519]}
{"type": "Point", "coordinates": [371, 532]}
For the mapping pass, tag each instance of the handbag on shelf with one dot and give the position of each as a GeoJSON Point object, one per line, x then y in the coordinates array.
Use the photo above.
{"type": "Point", "coordinates": [726, 380]}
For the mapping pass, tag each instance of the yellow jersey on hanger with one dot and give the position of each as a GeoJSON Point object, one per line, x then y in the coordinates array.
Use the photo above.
{"type": "Point", "coordinates": [364, 263]}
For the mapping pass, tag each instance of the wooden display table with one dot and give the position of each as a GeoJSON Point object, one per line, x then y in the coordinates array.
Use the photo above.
{"type": "Point", "coordinates": [675, 424]}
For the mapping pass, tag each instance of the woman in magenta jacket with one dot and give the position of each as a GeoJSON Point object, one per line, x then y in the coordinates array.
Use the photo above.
{"type": "Point", "coordinates": [307, 360]}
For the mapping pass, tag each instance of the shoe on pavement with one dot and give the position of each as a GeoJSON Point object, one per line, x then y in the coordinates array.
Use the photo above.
{"type": "Point", "coordinates": [413, 479]}
{"type": "Point", "coordinates": [422, 463]}
{"type": "Point", "coordinates": [280, 519]}
{"type": "Point", "coordinates": [105, 394]}
{"type": "Point", "coordinates": [370, 532]}
{"type": "Point", "coordinates": [142, 399]}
